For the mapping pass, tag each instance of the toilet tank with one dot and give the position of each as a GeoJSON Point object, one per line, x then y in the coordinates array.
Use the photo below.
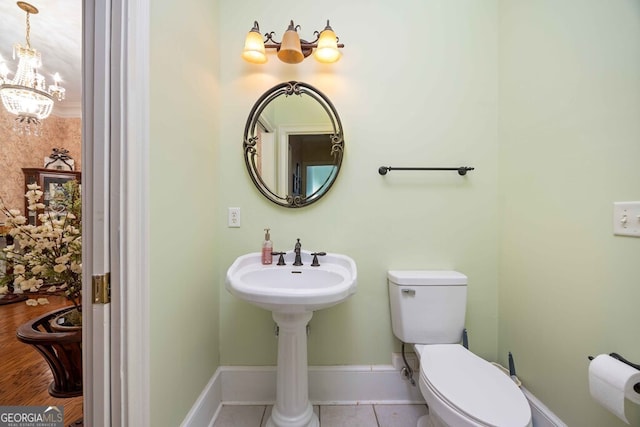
{"type": "Point", "coordinates": [427, 307]}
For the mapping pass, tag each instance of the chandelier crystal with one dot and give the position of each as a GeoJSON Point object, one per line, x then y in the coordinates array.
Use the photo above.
{"type": "Point", "coordinates": [27, 95]}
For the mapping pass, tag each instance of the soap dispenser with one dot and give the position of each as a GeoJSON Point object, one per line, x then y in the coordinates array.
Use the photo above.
{"type": "Point", "coordinates": [267, 248]}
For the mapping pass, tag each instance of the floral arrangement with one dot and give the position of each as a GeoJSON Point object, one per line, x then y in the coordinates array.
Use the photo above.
{"type": "Point", "coordinates": [48, 253]}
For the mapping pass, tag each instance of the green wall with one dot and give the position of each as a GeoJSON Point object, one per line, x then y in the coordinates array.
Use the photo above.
{"type": "Point", "coordinates": [542, 97]}
{"type": "Point", "coordinates": [569, 137]}
{"type": "Point", "coordinates": [184, 124]}
{"type": "Point", "coordinates": [416, 86]}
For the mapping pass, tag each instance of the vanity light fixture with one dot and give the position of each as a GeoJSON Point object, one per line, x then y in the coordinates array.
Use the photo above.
{"type": "Point", "coordinates": [27, 95]}
{"type": "Point", "coordinates": [292, 49]}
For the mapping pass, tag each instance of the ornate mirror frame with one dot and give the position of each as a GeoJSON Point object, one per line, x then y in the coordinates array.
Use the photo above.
{"type": "Point", "coordinates": [251, 138]}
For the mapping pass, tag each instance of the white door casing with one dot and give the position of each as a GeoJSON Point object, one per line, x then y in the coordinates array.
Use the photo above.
{"type": "Point", "coordinates": [115, 219]}
{"type": "Point", "coordinates": [96, 214]}
{"type": "Point", "coordinates": [133, 215]}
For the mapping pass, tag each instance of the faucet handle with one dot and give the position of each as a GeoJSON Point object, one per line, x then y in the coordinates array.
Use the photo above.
{"type": "Point", "coordinates": [281, 258]}
{"type": "Point", "coordinates": [315, 262]}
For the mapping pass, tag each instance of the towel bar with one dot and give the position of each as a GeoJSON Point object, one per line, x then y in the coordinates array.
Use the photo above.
{"type": "Point", "coordinates": [462, 170]}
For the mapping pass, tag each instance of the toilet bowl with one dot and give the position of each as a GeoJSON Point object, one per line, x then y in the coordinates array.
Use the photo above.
{"type": "Point", "coordinates": [460, 388]}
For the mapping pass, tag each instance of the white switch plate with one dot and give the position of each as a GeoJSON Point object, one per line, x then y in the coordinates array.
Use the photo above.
{"type": "Point", "coordinates": [234, 217]}
{"type": "Point", "coordinates": [626, 219]}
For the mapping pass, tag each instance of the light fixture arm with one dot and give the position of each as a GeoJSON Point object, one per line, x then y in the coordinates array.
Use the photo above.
{"type": "Point", "coordinates": [268, 37]}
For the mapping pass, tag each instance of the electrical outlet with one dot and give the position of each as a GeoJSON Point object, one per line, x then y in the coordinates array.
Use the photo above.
{"type": "Point", "coordinates": [626, 219]}
{"type": "Point", "coordinates": [234, 217]}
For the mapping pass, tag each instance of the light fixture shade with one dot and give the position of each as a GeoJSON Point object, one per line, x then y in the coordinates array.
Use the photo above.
{"type": "Point", "coordinates": [290, 50]}
{"type": "Point", "coordinates": [254, 50]}
{"type": "Point", "coordinates": [327, 50]}
{"type": "Point", "coordinates": [26, 94]}
{"type": "Point", "coordinates": [25, 102]}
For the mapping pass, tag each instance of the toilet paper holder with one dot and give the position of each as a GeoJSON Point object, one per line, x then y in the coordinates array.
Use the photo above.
{"type": "Point", "coordinates": [636, 386]}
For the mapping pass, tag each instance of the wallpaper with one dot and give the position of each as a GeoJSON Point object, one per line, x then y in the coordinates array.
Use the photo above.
{"type": "Point", "coordinates": [23, 151]}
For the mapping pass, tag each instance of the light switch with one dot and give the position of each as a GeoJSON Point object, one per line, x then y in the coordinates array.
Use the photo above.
{"type": "Point", "coordinates": [626, 219]}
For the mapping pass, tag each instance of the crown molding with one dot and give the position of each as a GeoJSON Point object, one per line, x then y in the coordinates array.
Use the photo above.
{"type": "Point", "coordinates": [68, 110]}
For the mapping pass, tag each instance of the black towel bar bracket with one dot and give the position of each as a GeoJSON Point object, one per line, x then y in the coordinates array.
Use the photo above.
{"type": "Point", "coordinates": [462, 170]}
{"type": "Point", "coordinates": [636, 386]}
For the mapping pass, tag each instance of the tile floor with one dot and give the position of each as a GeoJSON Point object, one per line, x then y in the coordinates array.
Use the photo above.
{"type": "Point", "coordinates": [329, 415]}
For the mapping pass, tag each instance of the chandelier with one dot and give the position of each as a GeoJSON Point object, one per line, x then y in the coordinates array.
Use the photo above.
{"type": "Point", "coordinates": [27, 95]}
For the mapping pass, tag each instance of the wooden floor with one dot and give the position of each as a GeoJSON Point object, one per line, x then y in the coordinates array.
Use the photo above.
{"type": "Point", "coordinates": [24, 374]}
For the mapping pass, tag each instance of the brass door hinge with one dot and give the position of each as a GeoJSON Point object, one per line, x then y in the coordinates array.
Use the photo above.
{"type": "Point", "coordinates": [101, 289]}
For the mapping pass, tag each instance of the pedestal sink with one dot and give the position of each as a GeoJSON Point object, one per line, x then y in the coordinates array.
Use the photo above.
{"type": "Point", "coordinates": [292, 294]}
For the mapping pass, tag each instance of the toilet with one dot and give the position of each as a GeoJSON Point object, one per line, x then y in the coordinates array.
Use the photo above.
{"type": "Point", "coordinates": [460, 388]}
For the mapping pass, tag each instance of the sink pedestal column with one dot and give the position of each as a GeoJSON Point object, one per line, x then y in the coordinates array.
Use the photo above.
{"type": "Point", "coordinates": [292, 408]}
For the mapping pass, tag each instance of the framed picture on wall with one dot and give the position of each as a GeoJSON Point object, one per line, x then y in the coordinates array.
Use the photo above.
{"type": "Point", "coordinates": [51, 182]}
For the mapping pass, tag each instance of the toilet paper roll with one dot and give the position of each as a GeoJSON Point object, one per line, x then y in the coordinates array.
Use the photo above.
{"type": "Point", "coordinates": [611, 381]}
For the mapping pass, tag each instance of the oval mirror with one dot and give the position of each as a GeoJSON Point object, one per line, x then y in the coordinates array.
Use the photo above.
{"type": "Point", "coordinates": [293, 144]}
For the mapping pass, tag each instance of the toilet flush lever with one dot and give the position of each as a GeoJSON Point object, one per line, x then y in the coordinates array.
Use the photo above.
{"type": "Point", "coordinates": [409, 292]}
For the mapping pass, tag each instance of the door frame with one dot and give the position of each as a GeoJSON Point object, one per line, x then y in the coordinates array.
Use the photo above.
{"type": "Point", "coordinates": [116, 224]}
{"type": "Point", "coordinates": [133, 193]}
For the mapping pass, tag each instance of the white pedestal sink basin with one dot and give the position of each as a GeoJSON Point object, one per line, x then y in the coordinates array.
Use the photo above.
{"type": "Point", "coordinates": [292, 293]}
{"type": "Point", "coordinates": [291, 289]}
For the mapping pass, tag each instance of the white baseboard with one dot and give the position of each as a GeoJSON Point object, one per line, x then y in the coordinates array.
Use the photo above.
{"type": "Point", "coordinates": [337, 385]}
{"type": "Point", "coordinates": [328, 385]}
{"type": "Point", "coordinates": [542, 416]}
{"type": "Point", "coordinates": [205, 411]}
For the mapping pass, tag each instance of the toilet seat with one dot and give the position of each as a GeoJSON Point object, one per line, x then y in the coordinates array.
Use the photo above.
{"type": "Point", "coordinates": [472, 386]}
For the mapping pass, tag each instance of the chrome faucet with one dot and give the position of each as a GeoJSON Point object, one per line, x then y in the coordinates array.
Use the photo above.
{"type": "Point", "coordinates": [298, 248]}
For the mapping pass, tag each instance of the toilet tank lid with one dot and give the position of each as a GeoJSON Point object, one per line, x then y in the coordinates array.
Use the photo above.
{"type": "Point", "coordinates": [426, 277]}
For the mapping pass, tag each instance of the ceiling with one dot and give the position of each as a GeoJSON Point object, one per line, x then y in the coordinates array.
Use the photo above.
{"type": "Point", "coordinates": [56, 32]}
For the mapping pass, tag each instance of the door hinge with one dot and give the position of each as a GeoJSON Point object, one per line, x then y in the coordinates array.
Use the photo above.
{"type": "Point", "coordinates": [101, 289]}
